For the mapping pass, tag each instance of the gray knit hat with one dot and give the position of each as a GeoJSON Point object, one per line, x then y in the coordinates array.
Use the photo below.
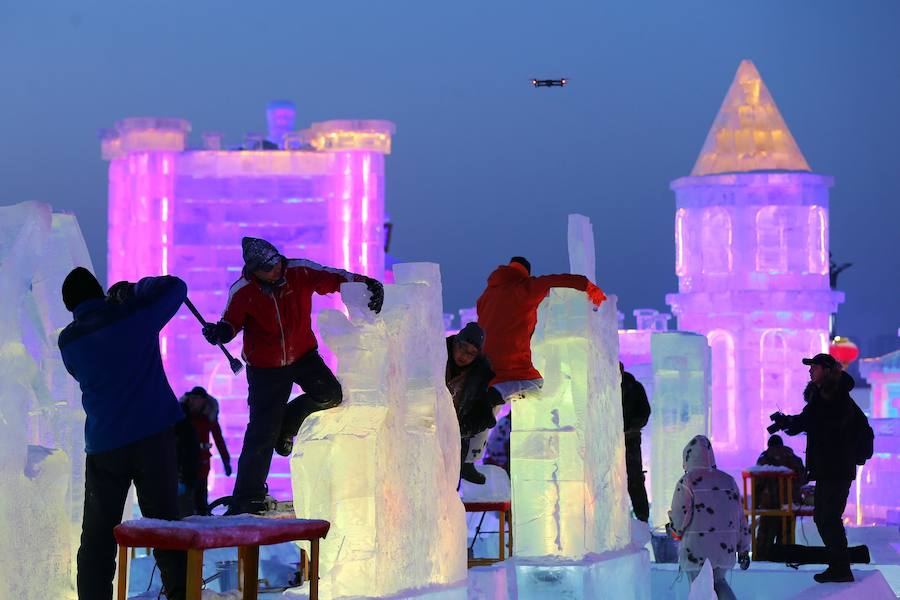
{"type": "Point", "coordinates": [259, 254]}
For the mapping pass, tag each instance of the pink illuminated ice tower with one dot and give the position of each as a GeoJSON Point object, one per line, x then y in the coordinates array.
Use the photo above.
{"type": "Point", "coordinates": [315, 194]}
{"type": "Point", "coordinates": [751, 240]}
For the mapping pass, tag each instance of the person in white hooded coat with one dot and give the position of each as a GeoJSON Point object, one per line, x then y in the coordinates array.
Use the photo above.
{"type": "Point", "coordinates": [708, 516]}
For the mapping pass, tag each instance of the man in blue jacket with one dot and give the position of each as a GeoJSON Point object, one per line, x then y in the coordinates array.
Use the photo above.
{"type": "Point", "coordinates": [112, 350]}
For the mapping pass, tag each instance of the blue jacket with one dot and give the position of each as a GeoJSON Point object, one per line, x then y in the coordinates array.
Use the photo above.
{"type": "Point", "coordinates": [112, 350]}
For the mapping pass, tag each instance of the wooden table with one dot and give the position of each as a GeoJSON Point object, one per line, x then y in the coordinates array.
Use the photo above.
{"type": "Point", "coordinates": [196, 534]}
{"type": "Point", "coordinates": [503, 508]}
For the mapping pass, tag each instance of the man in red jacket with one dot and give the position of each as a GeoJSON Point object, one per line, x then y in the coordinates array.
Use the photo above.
{"type": "Point", "coordinates": [272, 303]}
{"type": "Point", "coordinates": [507, 311]}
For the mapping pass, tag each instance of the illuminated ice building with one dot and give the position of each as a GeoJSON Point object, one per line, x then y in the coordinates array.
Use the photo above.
{"type": "Point", "coordinates": [315, 194]}
{"type": "Point", "coordinates": [751, 235]}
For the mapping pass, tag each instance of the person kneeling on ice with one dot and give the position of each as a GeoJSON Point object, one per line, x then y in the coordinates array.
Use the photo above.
{"type": "Point", "coordinates": [708, 517]}
{"type": "Point", "coordinates": [272, 304]}
{"type": "Point", "coordinates": [468, 375]}
{"type": "Point", "coordinates": [112, 349]}
{"type": "Point", "coordinates": [507, 311]}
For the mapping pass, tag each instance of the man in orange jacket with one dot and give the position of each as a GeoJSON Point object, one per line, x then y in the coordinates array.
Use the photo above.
{"type": "Point", "coordinates": [507, 311]}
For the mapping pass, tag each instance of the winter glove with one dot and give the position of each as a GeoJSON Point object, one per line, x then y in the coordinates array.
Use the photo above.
{"type": "Point", "coordinates": [744, 560]}
{"type": "Point", "coordinates": [377, 291]}
{"type": "Point", "coordinates": [227, 465]}
{"type": "Point", "coordinates": [595, 294]}
{"type": "Point", "coordinates": [217, 333]}
{"type": "Point", "coordinates": [120, 292]}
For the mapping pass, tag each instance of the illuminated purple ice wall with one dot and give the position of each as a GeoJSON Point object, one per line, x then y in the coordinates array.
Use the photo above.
{"type": "Point", "coordinates": [751, 239]}
{"type": "Point", "coordinates": [316, 194]}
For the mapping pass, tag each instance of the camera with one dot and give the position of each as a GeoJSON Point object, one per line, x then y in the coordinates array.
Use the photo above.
{"type": "Point", "coordinates": [779, 422]}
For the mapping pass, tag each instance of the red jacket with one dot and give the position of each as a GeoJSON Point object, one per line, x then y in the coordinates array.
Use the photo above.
{"type": "Point", "coordinates": [507, 311]}
{"type": "Point", "coordinates": [277, 324]}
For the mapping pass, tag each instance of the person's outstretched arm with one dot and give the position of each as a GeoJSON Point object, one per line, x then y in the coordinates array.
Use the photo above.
{"type": "Point", "coordinates": [541, 286]}
{"type": "Point", "coordinates": [328, 280]}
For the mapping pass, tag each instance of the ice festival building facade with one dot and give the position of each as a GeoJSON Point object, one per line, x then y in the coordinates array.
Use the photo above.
{"type": "Point", "coordinates": [751, 243]}
{"type": "Point", "coordinates": [316, 194]}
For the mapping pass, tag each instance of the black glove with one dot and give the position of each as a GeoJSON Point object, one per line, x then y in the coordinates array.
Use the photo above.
{"type": "Point", "coordinates": [744, 560]}
{"type": "Point", "coordinates": [217, 333]}
{"type": "Point", "coordinates": [120, 292]}
{"type": "Point", "coordinates": [377, 291]}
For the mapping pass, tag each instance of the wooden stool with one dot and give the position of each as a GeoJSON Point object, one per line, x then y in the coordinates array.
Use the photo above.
{"type": "Point", "coordinates": [503, 508]}
{"type": "Point", "coordinates": [786, 510]}
{"type": "Point", "coordinates": [196, 534]}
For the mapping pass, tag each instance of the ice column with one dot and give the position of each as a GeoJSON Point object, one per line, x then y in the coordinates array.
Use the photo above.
{"type": "Point", "coordinates": [383, 466]}
{"type": "Point", "coordinates": [681, 401]}
{"type": "Point", "coordinates": [567, 450]}
{"type": "Point", "coordinates": [42, 493]}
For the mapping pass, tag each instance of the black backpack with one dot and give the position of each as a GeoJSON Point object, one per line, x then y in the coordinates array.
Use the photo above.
{"type": "Point", "coordinates": [863, 437]}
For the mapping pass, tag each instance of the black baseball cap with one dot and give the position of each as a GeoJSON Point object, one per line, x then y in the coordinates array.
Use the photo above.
{"type": "Point", "coordinates": [823, 360]}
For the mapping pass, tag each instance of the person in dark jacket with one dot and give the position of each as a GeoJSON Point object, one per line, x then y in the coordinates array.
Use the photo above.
{"type": "Point", "coordinates": [202, 411]}
{"type": "Point", "coordinates": [468, 376]}
{"type": "Point", "coordinates": [636, 413]}
{"type": "Point", "coordinates": [112, 349]}
{"type": "Point", "coordinates": [830, 420]}
{"type": "Point", "coordinates": [272, 304]}
{"type": "Point", "coordinates": [765, 495]}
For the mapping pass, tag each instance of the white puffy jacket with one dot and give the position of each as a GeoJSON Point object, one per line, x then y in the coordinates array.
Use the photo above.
{"type": "Point", "coordinates": [707, 511]}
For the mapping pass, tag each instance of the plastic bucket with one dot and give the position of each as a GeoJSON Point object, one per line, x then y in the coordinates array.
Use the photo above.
{"type": "Point", "coordinates": [665, 548]}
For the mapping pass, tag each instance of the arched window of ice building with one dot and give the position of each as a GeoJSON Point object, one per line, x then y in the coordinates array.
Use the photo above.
{"type": "Point", "coordinates": [774, 367]}
{"type": "Point", "coordinates": [716, 239]}
{"type": "Point", "coordinates": [818, 343]}
{"type": "Point", "coordinates": [724, 394]}
{"type": "Point", "coordinates": [771, 240]}
{"type": "Point", "coordinates": [681, 242]}
{"type": "Point", "coordinates": [818, 240]}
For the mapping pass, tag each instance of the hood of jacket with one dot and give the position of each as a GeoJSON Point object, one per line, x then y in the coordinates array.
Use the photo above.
{"type": "Point", "coordinates": [698, 454]}
{"type": "Point", "coordinates": [507, 274]}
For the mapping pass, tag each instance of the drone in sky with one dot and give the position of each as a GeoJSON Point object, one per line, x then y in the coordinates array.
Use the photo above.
{"type": "Point", "coordinates": [549, 82]}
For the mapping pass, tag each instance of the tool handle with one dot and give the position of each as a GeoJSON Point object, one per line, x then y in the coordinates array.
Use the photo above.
{"type": "Point", "coordinates": [193, 309]}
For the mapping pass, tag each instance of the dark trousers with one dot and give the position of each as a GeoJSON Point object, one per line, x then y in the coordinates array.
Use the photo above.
{"type": "Point", "coordinates": [635, 470]}
{"type": "Point", "coordinates": [768, 535]}
{"type": "Point", "coordinates": [830, 502]}
{"type": "Point", "coordinates": [272, 416]}
{"type": "Point", "coordinates": [151, 464]}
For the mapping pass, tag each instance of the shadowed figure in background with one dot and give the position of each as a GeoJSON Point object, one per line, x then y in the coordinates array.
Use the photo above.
{"type": "Point", "coordinates": [766, 494]}
{"type": "Point", "coordinates": [635, 413]}
{"type": "Point", "coordinates": [202, 411]}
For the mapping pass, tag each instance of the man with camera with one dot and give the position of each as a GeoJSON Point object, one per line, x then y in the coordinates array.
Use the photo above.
{"type": "Point", "coordinates": [837, 436]}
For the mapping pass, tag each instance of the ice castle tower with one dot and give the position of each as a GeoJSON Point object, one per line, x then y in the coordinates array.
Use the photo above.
{"type": "Point", "coordinates": [751, 254]}
{"type": "Point", "coordinates": [315, 194]}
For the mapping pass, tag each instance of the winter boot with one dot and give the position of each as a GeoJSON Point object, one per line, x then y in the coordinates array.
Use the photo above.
{"type": "Point", "coordinates": [246, 507]}
{"type": "Point", "coordinates": [471, 474]}
{"type": "Point", "coordinates": [834, 575]}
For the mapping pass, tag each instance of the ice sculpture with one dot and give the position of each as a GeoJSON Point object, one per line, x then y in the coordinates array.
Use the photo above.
{"type": "Point", "coordinates": [681, 400]}
{"type": "Point", "coordinates": [383, 466]}
{"type": "Point", "coordinates": [567, 452]}
{"type": "Point", "coordinates": [751, 255]}
{"type": "Point", "coordinates": [43, 485]}
{"type": "Point", "coordinates": [180, 211]}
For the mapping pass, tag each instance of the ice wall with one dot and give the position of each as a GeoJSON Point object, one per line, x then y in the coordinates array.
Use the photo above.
{"type": "Point", "coordinates": [681, 403]}
{"type": "Point", "coordinates": [383, 466]}
{"type": "Point", "coordinates": [42, 493]}
{"type": "Point", "coordinates": [567, 452]}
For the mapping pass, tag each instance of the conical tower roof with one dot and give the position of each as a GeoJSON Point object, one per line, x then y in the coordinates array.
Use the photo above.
{"type": "Point", "coordinates": [749, 133]}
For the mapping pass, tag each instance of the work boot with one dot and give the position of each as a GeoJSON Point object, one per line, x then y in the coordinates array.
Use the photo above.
{"type": "Point", "coordinates": [245, 507]}
{"type": "Point", "coordinates": [471, 474]}
{"type": "Point", "coordinates": [285, 445]}
{"type": "Point", "coordinates": [834, 575]}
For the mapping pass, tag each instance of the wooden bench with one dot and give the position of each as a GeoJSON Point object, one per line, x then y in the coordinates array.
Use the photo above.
{"type": "Point", "coordinates": [503, 508]}
{"type": "Point", "coordinates": [196, 534]}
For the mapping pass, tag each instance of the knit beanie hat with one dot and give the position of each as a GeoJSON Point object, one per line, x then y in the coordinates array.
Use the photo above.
{"type": "Point", "coordinates": [258, 254]}
{"type": "Point", "coordinates": [472, 334]}
{"type": "Point", "coordinates": [80, 285]}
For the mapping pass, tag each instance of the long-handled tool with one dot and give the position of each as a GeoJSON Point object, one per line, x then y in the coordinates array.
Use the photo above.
{"type": "Point", "coordinates": [236, 365]}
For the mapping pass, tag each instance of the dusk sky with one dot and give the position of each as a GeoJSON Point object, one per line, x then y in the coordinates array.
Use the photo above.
{"type": "Point", "coordinates": [484, 166]}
